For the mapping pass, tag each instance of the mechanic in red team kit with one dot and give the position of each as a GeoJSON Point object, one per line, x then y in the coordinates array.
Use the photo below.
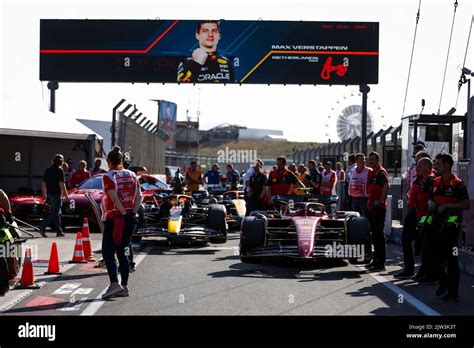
{"type": "Point", "coordinates": [449, 198]}
{"type": "Point", "coordinates": [80, 174]}
{"type": "Point", "coordinates": [120, 204]}
{"type": "Point", "coordinates": [206, 64]}
{"type": "Point", "coordinates": [419, 194]}
{"type": "Point", "coordinates": [377, 190]}
{"type": "Point", "coordinates": [281, 180]}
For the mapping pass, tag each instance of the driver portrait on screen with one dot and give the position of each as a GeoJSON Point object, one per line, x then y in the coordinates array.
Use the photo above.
{"type": "Point", "coordinates": [206, 64]}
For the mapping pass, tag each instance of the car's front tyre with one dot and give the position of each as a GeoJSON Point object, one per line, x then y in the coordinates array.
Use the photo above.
{"type": "Point", "coordinates": [252, 236]}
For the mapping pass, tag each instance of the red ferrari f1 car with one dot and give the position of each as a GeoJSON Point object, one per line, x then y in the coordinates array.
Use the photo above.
{"type": "Point", "coordinates": [78, 206]}
{"type": "Point", "coordinates": [303, 230]}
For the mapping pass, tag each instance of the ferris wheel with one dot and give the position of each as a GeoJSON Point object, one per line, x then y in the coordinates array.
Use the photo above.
{"type": "Point", "coordinates": [346, 116]}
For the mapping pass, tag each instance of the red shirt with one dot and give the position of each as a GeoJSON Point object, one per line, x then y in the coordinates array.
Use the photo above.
{"type": "Point", "coordinates": [452, 190]}
{"type": "Point", "coordinates": [413, 192]}
{"type": "Point", "coordinates": [377, 179]}
{"type": "Point", "coordinates": [423, 195]}
{"type": "Point", "coordinates": [67, 176]}
{"type": "Point", "coordinates": [126, 184]}
{"type": "Point", "coordinates": [79, 176]}
{"type": "Point", "coordinates": [280, 181]}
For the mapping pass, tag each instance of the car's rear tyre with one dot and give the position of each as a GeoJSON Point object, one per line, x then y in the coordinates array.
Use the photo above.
{"type": "Point", "coordinates": [358, 233]}
{"type": "Point", "coordinates": [252, 236]}
{"type": "Point", "coordinates": [216, 216]}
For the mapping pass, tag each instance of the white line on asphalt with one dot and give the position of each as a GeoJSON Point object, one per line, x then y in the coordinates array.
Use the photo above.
{"type": "Point", "coordinates": [42, 280]}
{"type": "Point", "coordinates": [20, 295]}
{"type": "Point", "coordinates": [97, 303]}
{"type": "Point", "coordinates": [420, 306]}
{"type": "Point", "coordinates": [15, 300]}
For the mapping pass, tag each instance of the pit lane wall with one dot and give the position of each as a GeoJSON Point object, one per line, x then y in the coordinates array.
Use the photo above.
{"type": "Point", "coordinates": [145, 148]}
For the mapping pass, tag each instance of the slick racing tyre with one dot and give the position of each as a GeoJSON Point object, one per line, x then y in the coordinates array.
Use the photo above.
{"type": "Point", "coordinates": [216, 216]}
{"type": "Point", "coordinates": [358, 233]}
{"type": "Point", "coordinates": [252, 236]}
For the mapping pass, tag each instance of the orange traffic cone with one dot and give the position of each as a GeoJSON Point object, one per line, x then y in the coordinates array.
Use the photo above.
{"type": "Point", "coordinates": [53, 266]}
{"type": "Point", "coordinates": [27, 277]}
{"type": "Point", "coordinates": [78, 256]}
{"type": "Point", "coordinates": [86, 241]}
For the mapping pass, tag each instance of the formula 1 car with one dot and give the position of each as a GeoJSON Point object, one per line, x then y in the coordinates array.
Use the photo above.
{"type": "Point", "coordinates": [233, 200]}
{"type": "Point", "coordinates": [236, 208]}
{"type": "Point", "coordinates": [78, 206]}
{"type": "Point", "coordinates": [180, 219]}
{"type": "Point", "coordinates": [303, 230]}
{"type": "Point", "coordinates": [28, 207]}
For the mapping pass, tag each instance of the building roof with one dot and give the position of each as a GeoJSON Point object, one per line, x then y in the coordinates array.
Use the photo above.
{"type": "Point", "coordinates": [258, 134]}
{"type": "Point", "coordinates": [102, 128]}
{"type": "Point", "coordinates": [274, 137]}
{"type": "Point", "coordinates": [27, 119]}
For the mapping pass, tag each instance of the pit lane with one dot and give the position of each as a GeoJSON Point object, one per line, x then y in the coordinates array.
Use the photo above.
{"type": "Point", "coordinates": [211, 280]}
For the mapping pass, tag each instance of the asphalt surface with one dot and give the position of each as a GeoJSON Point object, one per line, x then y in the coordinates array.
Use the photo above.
{"type": "Point", "coordinates": [211, 280]}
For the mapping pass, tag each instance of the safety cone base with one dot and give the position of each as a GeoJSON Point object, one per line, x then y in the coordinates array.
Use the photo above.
{"type": "Point", "coordinates": [78, 261]}
{"type": "Point", "coordinates": [51, 273]}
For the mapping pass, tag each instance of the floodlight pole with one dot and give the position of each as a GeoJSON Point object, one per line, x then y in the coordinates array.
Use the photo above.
{"type": "Point", "coordinates": [364, 89]}
{"type": "Point", "coordinates": [52, 86]}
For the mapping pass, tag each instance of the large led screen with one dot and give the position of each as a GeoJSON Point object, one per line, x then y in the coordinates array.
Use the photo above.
{"type": "Point", "coordinates": [209, 51]}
